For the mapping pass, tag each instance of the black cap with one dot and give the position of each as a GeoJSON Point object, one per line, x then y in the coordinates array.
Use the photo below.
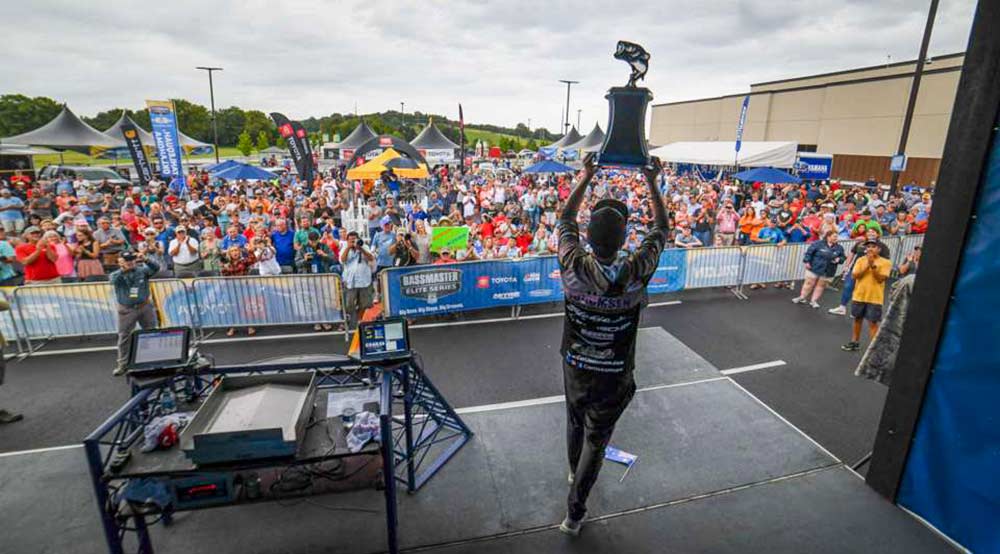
{"type": "Point", "coordinates": [128, 256]}
{"type": "Point", "coordinates": [617, 205]}
{"type": "Point", "coordinates": [868, 243]}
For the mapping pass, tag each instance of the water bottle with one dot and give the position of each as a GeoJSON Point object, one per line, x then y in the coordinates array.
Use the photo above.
{"type": "Point", "coordinates": [167, 401]}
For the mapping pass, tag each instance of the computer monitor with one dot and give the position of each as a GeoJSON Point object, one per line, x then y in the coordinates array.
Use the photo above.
{"type": "Point", "coordinates": [159, 348]}
{"type": "Point", "coordinates": [384, 339]}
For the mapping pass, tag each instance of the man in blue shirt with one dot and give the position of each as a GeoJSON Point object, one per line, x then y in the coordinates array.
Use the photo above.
{"type": "Point", "coordinates": [381, 243]}
{"type": "Point", "coordinates": [769, 234]}
{"type": "Point", "coordinates": [283, 240]}
{"type": "Point", "coordinates": [234, 237]}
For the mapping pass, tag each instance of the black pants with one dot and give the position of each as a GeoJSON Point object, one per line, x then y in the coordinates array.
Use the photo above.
{"type": "Point", "coordinates": [594, 402]}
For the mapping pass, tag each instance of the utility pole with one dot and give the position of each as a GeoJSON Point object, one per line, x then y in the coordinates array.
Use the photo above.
{"type": "Point", "coordinates": [402, 113]}
{"type": "Point", "coordinates": [566, 120]}
{"type": "Point", "coordinates": [215, 125]}
{"type": "Point", "coordinates": [578, 119]}
{"type": "Point", "coordinates": [914, 89]}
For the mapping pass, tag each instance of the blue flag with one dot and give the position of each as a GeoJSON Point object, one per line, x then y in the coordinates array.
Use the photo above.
{"type": "Point", "coordinates": [743, 120]}
{"type": "Point", "coordinates": [163, 122]}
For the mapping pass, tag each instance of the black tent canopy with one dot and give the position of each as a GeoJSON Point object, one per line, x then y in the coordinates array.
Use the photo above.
{"type": "Point", "coordinates": [67, 132]}
{"type": "Point", "coordinates": [590, 143]}
{"type": "Point", "coordinates": [115, 131]}
{"type": "Point", "coordinates": [567, 139]}
{"type": "Point", "coordinates": [431, 138]}
{"type": "Point", "coordinates": [360, 135]}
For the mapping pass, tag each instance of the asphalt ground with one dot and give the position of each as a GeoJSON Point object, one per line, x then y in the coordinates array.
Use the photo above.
{"type": "Point", "coordinates": [64, 397]}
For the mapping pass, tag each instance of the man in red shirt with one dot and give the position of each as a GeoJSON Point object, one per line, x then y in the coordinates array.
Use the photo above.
{"type": "Point", "coordinates": [38, 259]}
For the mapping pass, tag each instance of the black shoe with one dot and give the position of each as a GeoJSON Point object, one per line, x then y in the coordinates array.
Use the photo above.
{"type": "Point", "coordinates": [7, 417]}
{"type": "Point", "coordinates": [851, 347]}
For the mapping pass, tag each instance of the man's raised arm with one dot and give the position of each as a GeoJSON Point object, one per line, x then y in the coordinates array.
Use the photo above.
{"type": "Point", "coordinates": [652, 173]}
{"type": "Point", "coordinates": [576, 197]}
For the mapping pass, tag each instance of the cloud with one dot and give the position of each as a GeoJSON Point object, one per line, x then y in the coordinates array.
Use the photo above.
{"type": "Point", "coordinates": [501, 60]}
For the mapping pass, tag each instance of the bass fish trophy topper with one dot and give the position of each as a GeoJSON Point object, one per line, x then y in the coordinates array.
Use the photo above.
{"type": "Point", "coordinates": [625, 143]}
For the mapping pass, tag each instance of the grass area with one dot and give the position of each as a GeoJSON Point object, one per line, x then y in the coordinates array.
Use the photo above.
{"type": "Point", "coordinates": [76, 158]}
{"type": "Point", "coordinates": [473, 135]}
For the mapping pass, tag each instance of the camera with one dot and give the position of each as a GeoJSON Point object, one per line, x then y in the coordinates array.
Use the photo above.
{"type": "Point", "coordinates": [360, 242]}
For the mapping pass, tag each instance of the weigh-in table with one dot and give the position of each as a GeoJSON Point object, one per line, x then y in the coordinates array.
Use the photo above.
{"type": "Point", "coordinates": [416, 442]}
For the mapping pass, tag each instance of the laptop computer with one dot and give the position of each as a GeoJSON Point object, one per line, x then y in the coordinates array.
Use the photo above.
{"type": "Point", "coordinates": [384, 340]}
{"type": "Point", "coordinates": [156, 352]}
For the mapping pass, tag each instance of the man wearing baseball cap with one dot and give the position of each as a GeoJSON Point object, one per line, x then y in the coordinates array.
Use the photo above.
{"type": "Point", "coordinates": [131, 286]}
{"type": "Point", "coordinates": [382, 242]}
{"type": "Point", "coordinates": [870, 273]}
{"type": "Point", "coordinates": [605, 292]}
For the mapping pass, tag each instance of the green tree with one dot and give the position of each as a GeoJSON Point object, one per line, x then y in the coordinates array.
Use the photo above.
{"type": "Point", "coordinates": [20, 114]}
{"type": "Point", "coordinates": [256, 122]}
{"type": "Point", "coordinates": [231, 122]}
{"type": "Point", "coordinates": [244, 144]}
{"type": "Point", "coordinates": [263, 141]}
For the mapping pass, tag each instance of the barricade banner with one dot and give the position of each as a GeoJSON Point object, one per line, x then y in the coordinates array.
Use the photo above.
{"type": "Point", "coordinates": [847, 245]}
{"type": "Point", "coordinates": [66, 310]}
{"type": "Point", "coordinates": [771, 264]}
{"type": "Point", "coordinates": [257, 300]}
{"type": "Point", "coordinates": [425, 290]}
{"type": "Point", "coordinates": [670, 272]}
{"type": "Point", "coordinates": [7, 325]}
{"type": "Point", "coordinates": [174, 303]}
{"type": "Point", "coordinates": [713, 267]}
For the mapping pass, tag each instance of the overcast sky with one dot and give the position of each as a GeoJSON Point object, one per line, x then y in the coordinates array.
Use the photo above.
{"type": "Point", "coordinates": [500, 59]}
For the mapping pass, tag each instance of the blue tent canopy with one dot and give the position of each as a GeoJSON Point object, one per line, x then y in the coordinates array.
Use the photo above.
{"type": "Point", "coordinates": [548, 166]}
{"type": "Point", "coordinates": [221, 166]}
{"type": "Point", "coordinates": [245, 172]}
{"type": "Point", "coordinates": [766, 175]}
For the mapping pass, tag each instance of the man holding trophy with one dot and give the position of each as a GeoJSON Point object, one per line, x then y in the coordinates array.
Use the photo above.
{"type": "Point", "coordinates": [605, 291]}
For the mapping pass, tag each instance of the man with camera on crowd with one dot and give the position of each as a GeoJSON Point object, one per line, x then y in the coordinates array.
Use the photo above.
{"type": "Point", "coordinates": [313, 256]}
{"type": "Point", "coordinates": [131, 285]}
{"type": "Point", "coordinates": [357, 278]}
{"type": "Point", "coordinates": [404, 250]}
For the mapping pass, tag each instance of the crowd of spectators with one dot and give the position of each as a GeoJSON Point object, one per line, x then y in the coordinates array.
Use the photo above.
{"type": "Point", "coordinates": [70, 230]}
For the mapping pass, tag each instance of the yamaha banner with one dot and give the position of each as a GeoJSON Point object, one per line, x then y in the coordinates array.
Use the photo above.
{"type": "Point", "coordinates": [139, 159]}
{"type": "Point", "coordinates": [287, 131]}
{"type": "Point", "coordinates": [814, 166]}
{"type": "Point", "coordinates": [163, 120]}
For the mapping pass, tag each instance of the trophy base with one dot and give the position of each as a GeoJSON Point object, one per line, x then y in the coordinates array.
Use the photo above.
{"type": "Point", "coordinates": [625, 142]}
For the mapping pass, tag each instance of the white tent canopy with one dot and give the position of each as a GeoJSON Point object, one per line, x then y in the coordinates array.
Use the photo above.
{"type": "Point", "coordinates": [752, 154]}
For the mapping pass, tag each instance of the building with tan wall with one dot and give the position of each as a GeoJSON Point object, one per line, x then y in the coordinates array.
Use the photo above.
{"type": "Point", "coordinates": [856, 115]}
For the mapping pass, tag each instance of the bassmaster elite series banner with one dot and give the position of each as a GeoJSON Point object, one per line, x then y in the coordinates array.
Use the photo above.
{"type": "Point", "coordinates": [139, 159]}
{"type": "Point", "coordinates": [163, 122]}
{"type": "Point", "coordinates": [425, 290]}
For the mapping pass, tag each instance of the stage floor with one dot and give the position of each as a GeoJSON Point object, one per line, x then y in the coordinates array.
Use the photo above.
{"type": "Point", "coordinates": [718, 471]}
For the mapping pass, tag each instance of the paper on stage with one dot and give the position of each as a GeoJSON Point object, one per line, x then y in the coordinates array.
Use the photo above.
{"type": "Point", "coordinates": [338, 401]}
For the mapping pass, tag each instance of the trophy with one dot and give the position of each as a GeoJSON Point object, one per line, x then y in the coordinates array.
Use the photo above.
{"type": "Point", "coordinates": [625, 143]}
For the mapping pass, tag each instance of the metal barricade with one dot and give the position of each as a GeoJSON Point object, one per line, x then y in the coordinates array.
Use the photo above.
{"type": "Point", "coordinates": [906, 245]}
{"type": "Point", "coordinates": [893, 243]}
{"type": "Point", "coordinates": [773, 263]}
{"type": "Point", "coordinates": [8, 322]}
{"type": "Point", "coordinates": [255, 301]}
{"type": "Point", "coordinates": [66, 310]}
{"type": "Point", "coordinates": [847, 245]}
{"type": "Point", "coordinates": [713, 267]}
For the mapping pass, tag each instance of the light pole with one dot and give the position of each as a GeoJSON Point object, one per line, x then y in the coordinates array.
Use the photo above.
{"type": "Point", "coordinates": [914, 88]}
{"type": "Point", "coordinates": [211, 93]}
{"type": "Point", "coordinates": [578, 119]}
{"type": "Point", "coordinates": [402, 113]}
{"type": "Point", "coordinates": [566, 121]}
